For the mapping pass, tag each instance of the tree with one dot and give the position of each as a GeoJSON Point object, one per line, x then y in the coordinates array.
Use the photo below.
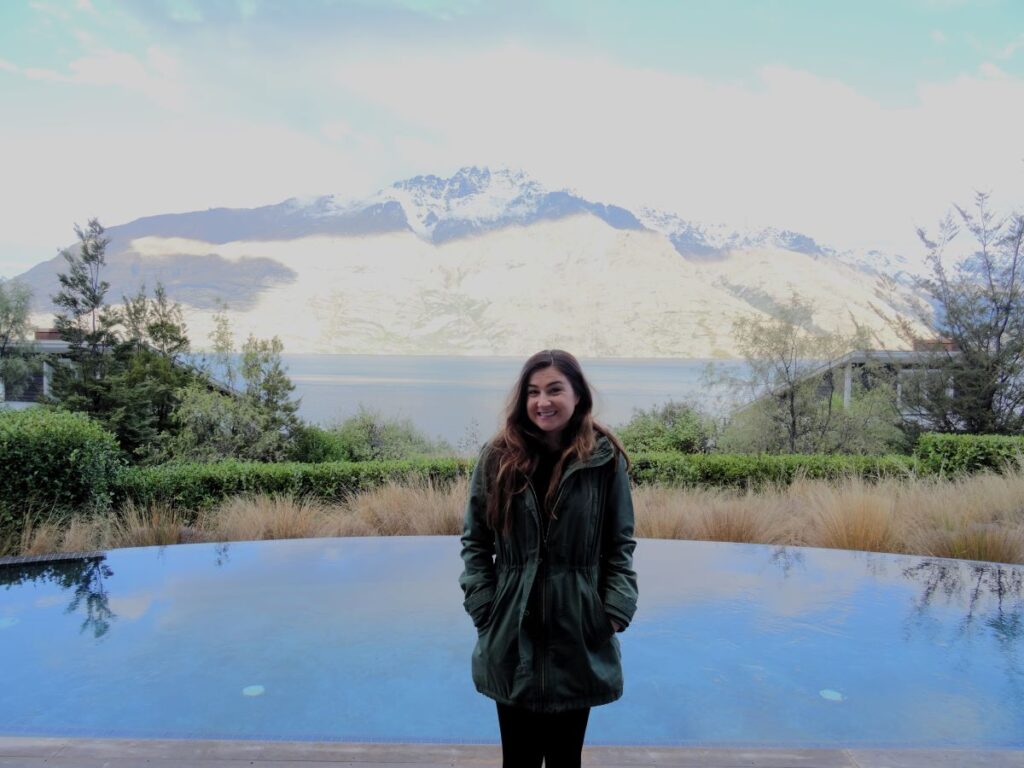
{"type": "Point", "coordinates": [87, 324]}
{"type": "Point", "coordinates": [796, 405]}
{"type": "Point", "coordinates": [147, 373]}
{"type": "Point", "coordinates": [123, 366]}
{"type": "Point", "coordinates": [974, 377]}
{"type": "Point", "coordinates": [260, 423]}
{"type": "Point", "coordinates": [268, 386]}
{"type": "Point", "coordinates": [16, 362]}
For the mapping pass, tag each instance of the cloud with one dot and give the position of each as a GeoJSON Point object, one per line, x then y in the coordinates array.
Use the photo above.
{"type": "Point", "coordinates": [120, 172]}
{"type": "Point", "coordinates": [1009, 51]}
{"type": "Point", "coordinates": [156, 77]}
{"type": "Point", "coordinates": [49, 10]}
{"type": "Point", "coordinates": [794, 150]}
{"type": "Point", "coordinates": [790, 149]}
{"type": "Point", "coordinates": [938, 36]}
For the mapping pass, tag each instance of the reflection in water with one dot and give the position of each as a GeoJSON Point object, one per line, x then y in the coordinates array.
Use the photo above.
{"type": "Point", "coordinates": [85, 576]}
{"type": "Point", "coordinates": [787, 558]}
{"type": "Point", "coordinates": [990, 593]}
{"type": "Point", "coordinates": [365, 639]}
{"type": "Point", "coordinates": [222, 553]}
{"type": "Point", "coordinates": [992, 596]}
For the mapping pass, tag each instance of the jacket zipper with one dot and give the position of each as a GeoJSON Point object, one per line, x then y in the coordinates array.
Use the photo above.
{"type": "Point", "coordinates": [543, 581]}
{"type": "Point", "coordinates": [543, 592]}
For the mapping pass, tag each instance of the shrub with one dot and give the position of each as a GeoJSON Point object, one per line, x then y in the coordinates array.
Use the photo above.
{"type": "Point", "coordinates": [669, 427]}
{"type": "Point", "coordinates": [369, 436]}
{"type": "Point", "coordinates": [744, 470]}
{"type": "Point", "coordinates": [956, 454]}
{"type": "Point", "coordinates": [53, 461]}
{"type": "Point", "coordinates": [197, 487]}
{"type": "Point", "coordinates": [315, 445]}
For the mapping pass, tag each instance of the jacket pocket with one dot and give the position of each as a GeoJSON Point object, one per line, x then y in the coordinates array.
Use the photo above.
{"type": "Point", "coordinates": [500, 593]}
{"type": "Point", "coordinates": [597, 622]}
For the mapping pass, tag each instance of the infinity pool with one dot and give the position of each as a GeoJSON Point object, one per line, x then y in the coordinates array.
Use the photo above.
{"type": "Point", "coordinates": [365, 640]}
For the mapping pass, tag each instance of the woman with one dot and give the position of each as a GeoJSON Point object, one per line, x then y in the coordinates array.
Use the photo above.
{"type": "Point", "coordinates": [548, 550]}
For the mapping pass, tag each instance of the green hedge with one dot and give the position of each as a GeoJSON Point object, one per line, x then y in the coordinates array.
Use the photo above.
{"type": "Point", "coordinates": [201, 486]}
{"type": "Point", "coordinates": [958, 454]}
{"type": "Point", "coordinates": [53, 462]}
{"type": "Point", "coordinates": [66, 461]}
{"type": "Point", "coordinates": [740, 470]}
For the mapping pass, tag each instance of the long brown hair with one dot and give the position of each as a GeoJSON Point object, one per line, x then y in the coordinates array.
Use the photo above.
{"type": "Point", "coordinates": [515, 449]}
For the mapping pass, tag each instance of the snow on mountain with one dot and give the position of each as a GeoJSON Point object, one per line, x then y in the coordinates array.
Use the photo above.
{"type": "Point", "coordinates": [485, 262]}
{"type": "Point", "coordinates": [700, 240]}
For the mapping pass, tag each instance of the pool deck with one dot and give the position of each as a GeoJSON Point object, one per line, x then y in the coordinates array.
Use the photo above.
{"type": "Point", "coordinates": [127, 753]}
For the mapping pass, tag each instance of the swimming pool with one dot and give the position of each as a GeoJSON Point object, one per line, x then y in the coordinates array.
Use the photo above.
{"type": "Point", "coordinates": [365, 640]}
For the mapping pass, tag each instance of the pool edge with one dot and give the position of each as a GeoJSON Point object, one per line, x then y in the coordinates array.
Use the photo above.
{"type": "Point", "coordinates": [72, 753]}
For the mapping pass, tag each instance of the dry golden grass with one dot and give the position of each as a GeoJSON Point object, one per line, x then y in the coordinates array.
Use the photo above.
{"type": "Point", "coordinates": [851, 514]}
{"type": "Point", "coordinates": [136, 526]}
{"type": "Point", "coordinates": [979, 517]}
{"type": "Point", "coordinates": [708, 514]}
{"type": "Point", "coordinates": [418, 509]}
{"type": "Point", "coordinates": [251, 518]}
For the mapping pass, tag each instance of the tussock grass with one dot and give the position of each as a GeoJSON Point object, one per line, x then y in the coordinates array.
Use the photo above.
{"type": "Point", "coordinates": [851, 514]}
{"type": "Point", "coordinates": [418, 509]}
{"type": "Point", "coordinates": [252, 518]}
{"type": "Point", "coordinates": [977, 517]}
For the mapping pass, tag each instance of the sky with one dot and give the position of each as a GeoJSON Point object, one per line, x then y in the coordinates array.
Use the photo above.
{"type": "Point", "coordinates": [851, 122]}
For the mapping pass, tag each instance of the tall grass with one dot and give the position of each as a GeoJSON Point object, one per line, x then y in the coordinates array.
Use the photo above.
{"type": "Point", "coordinates": [978, 517]}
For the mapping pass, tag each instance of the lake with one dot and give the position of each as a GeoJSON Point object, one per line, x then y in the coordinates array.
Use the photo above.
{"type": "Point", "coordinates": [460, 398]}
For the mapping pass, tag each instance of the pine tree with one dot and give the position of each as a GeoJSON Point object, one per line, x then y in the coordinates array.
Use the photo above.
{"type": "Point", "coordinates": [147, 375]}
{"type": "Point", "coordinates": [87, 324]}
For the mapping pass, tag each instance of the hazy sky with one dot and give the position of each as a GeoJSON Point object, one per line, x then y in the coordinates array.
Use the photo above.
{"type": "Point", "coordinates": [849, 121]}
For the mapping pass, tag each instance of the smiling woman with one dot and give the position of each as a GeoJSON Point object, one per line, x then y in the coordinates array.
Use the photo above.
{"type": "Point", "coordinates": [548, 551]}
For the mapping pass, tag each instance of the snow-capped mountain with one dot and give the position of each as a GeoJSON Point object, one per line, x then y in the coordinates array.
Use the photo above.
{"type": "Point", "coordinates": [472, 201]}
{"type": "Point", "coordinates": [483, 262]}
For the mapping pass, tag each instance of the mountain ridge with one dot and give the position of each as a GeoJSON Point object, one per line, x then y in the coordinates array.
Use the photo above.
{"type": "Point", "coordinates": [406, 255]}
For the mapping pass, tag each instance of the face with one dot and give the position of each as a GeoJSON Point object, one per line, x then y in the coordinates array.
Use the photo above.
{"type": "Point", "coordinates": [550, 402]}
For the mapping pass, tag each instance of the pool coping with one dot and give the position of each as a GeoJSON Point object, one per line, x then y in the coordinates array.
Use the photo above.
{"type": "Point", "coordinates": [87, 753]}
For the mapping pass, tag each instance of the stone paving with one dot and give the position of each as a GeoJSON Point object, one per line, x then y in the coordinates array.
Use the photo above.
{"type": "Point", "coordinates": [125, 753]}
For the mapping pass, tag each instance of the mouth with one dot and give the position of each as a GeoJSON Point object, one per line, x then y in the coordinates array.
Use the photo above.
{"type": "Point", "coordinates": [545, 414]}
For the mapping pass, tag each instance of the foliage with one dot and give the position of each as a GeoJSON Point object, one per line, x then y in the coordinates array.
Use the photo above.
{"type": "Point", "coordinates": [669, 427]}
{"type": "Point", "coordinates": [257, 424]}
{"type": "Point", "coordinates": [957, 454]}
{"type": "Point", "coordinates": [123, 366]}
{"type": "Point", "coordinates": [314, 445]}
{"type": "Point", "coordinates": [87, 324]}
{"type": "Point", "coordinates": [53, 460]}
{"type": "Point", "coordinates": [147, 373]}
{"type": "Point", "coordinates": [268, 386]}
{"type": "Point", "coordinates": [741, 470]}
{"type": "Point", "coordinates": [370, 436]}
{"type": "Point", "coordinates": [974, 378]}
{"type": "Point", "coordinates": [195, 487]}
{"type": "Point", "coordinates": [796, 398]}
{"type": "Point", "coordinates": [212, 426]}
{"type": "Point", "coordinates": [17, 363]}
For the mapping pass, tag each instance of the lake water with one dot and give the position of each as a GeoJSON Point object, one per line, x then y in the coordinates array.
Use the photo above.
{"type": "Point", "coordinates": [460, 398]}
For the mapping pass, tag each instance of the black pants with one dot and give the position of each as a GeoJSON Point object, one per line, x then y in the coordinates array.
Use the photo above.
{"type": "Point", "coordinates": [529, 737]}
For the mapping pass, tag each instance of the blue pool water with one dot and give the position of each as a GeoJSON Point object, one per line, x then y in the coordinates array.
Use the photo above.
{"type": "Point", "coordinates": [365, 640]}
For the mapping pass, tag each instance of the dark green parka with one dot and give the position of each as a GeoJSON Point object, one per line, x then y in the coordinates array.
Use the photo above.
{"type": "Point", "coordinates": [542, 609]}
